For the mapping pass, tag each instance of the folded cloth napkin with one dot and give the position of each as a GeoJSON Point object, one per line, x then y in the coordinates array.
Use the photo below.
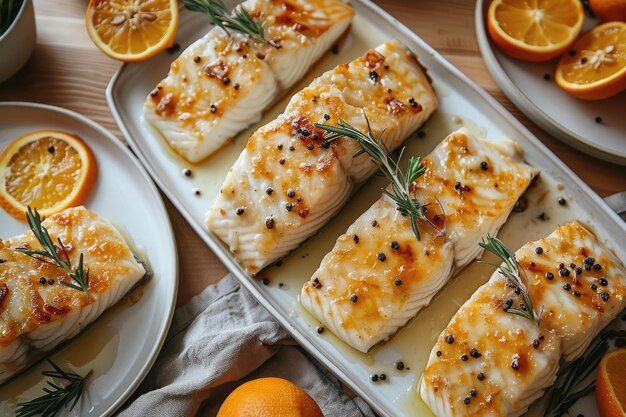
{"type": "Point", "coordinates": [219, 339]}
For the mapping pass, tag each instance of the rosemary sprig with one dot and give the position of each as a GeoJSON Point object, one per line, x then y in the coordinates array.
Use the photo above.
{"type": "Point", "coordinates": [49, 254]}
{"type": "Point", "coordinates": [56, 397]}
{"type": "Point", "coordinates": [564, 394]}
{"type": "Point", "coordinates": [8, 12]}
{"type": "Point", "coordinates": [239, 20]}
{"type": "Point", "coordinates": [511, 271]}
{"type": "Point", "coordinates": [403, 193]}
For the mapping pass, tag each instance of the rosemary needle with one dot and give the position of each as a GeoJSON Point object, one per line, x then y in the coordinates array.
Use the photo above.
{"type": "Point", "coordinates": [49, 253]}
{"type": "Point", "coordinates": [239, 19]}
{"type": "Point", "coordinates": [564, 393]}
{"type": "Point", "coordinates": [403, 193]}
{"type": "Point", "coordinates": [511, 271]}
{"type": "Point", "coordinates": [56, 396]}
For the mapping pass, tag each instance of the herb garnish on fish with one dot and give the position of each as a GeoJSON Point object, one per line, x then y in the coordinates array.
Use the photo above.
{"type": "Point", "coordinates": [404, 194]}
{"type": "Point", "coordinates": [50, 254]}
{"type": "Point", "coordinates": [239, 19]}
{"type": "Point", "coordinates": [511, 271]}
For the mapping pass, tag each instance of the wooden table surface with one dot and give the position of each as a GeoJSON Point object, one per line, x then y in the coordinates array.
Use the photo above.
{"type": "Point", "coordinates": [67, 70]}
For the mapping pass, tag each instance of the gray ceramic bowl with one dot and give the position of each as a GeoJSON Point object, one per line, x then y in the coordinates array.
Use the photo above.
{"type": "Point", "coordinates": [18, 42]}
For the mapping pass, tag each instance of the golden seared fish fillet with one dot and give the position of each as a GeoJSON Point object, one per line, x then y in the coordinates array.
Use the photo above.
{"type": "Point", "coordinates": [288, 181]}
{"type": "Point", "coordinates": [378, 275]}
{"type": "Point", "coordinates": [580, 283]}
{"type": "Point", "coordinates": [485, 362]}
{"type": "Point", "coordinates": [221, 84]}
{"type": "Point", "coordinates": [517, 357]}
{"type": "Point", "coordinates": [35, 317]}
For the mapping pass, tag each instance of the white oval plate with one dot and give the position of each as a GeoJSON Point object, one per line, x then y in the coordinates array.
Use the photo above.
{"type": "Point", "coordinates": [121, 345]}
{"type": "Point", "coordinates": [567, 118]}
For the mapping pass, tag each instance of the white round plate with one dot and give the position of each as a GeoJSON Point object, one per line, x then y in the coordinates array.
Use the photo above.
{"type": "Point", "coordinates": [121, 345]}
{"type": "Point", "coordinates": [565, 117]}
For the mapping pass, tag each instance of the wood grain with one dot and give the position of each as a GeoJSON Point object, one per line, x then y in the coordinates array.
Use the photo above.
{"type": "Point", "coordinates": [67, 70]}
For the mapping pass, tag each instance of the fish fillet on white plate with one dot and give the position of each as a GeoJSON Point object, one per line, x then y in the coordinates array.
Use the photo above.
{"type": "Point", "coordinates": [288, 181]}
{"type": "Point", "coordinates": [518, 358]}
{"type": "Point", "coordinates": [484, 362]}
{"type": "Point", "coordinates": [583, 296]}
{"type": "Point", "coordinates": [378, 275]}
{"type": "Point", "coordinates": [221, 84]}
{"type": "Point", "coordinates": [36, 316]}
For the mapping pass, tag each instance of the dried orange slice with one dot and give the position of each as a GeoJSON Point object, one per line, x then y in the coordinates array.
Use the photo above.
{"type": "Point", "coordinates": [132, 30]}
{"type": "Point", "coordinates": [536, 30]}
{"type": "Point", "coordinates": [595, 68]}
{"type": "Point", "coordinates": [46, 170]}
{"type": "Point", "coordinates": [610, 387]}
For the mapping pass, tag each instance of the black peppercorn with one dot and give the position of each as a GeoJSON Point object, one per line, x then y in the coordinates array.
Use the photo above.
{"type": "Point", "coordinates": [269, 222]}
{"type": "Point", "coordinates": [567, 287]}
{"type": "Point", "coordinates": [473, 393]}
{"type": "Point", "coordinates": [474, 353]}
{"type": "Point", "coordinates": [383, 377]}
{"type": "Point", "coordinates": [480, 376]}
{"type": "Point", "coordinates": [464, 357]}
{"type": "Point", "coordinates": [467, 400]}
{"type": "Point", "coordinates": [539, 250]}
{"type": "Point", "coordinates": [354, 298]}
{"type": "Point", "coordinates": [374, 223]}
{"type": "Point", "coordinates": [320, 330]}
{"type": "Point", "coordinates": [266, 281]}
{"type": "Point", "coordinates": [594, 287]}
{"type": "Point", "coordinates": [398, 282]}
{"type": "Point", "coordinates": [536, 343]}
{"type": "Point", "coordinates": [374, 377]}
{"type": "Point", "coordinates": [50, 281]}
{"type": "Point", "coordinates": [605, 296]}
{"type": "Point", "coordinates": [42, 280]}
{"type": "Point", "coordinates": [269, 191]}
{"type": "Point", "coordinates": [310, 146]}
{"type": "Point", "coordinates": [449, 339]}
{"type": "Point", "coordinates": [438, 353]}
{"type": "Point", "coordinates": [240, 211]}
{"type": "Point", "coordinates": [598, 119]}
{"type": "Point", "coordinates": [281, 161]}
{"type": "Point", "coordinates": [355, 238]}
{"type": "Point", "coordinates": [549, 275]}
{"type": "Point", "coordinates": [484, 165]}
{"type": "Point", "coordinates": [604, 282]}
{"type": "Point", "coordinates": [399, 365]}
{"type": "Point", "coordinates": [577, 293]}
{"type": "Point", "coordinates": [589, 260]}
{"type": "Point", "coordinates": [394, 245]}
{"type": "Point", "coordinates": [597, 267]}
{"type": "Point", "coordinates": [562, 201]}
{"type": "Point", "coordinates": [381, 257]}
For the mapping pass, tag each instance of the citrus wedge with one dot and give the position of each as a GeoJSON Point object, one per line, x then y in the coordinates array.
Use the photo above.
{"type": "Point", "coordinates": [595, 68]}
{"type": "Point", "coordinates": [46, 170]}
{"type": "Point", "coordinates": [610, 386]}
{"type": "Point", "coordinates": [534, 30]}
{"type": "Point", "coordinates": [132, 30]}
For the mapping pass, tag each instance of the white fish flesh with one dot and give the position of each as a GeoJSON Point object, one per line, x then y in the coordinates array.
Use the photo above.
{"type": "Point", "coordinates": [378, 275]}
{"type": "Point", "coordinates": [221, 84]}
{"type": "Point", "coordinates": [36, 317]}
{"type": "Point", "coordinates": [517, 357]}
{"type": "Point", "coordinates": [288, 181]}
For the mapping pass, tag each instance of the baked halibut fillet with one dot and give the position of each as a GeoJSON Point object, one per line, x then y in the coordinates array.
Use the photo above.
{"type": "Point", "coordinates": [489, 362]}
{"type": "Point", "coordinates": [221, 84]}
{"type": "Point", "coordinates": [35, 317]}
{"type": "Point", "coordinates": [378, 275]}
{"type": "Point", "coordinates": [289, 181]}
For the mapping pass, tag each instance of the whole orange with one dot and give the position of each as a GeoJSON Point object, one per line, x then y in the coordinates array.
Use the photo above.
{"type": "Point", "coordinates": [269, 397]}
{"type": "Point", "coordinates": [610, 386]}
{"type": "Point", "coordinates": [609, 10]}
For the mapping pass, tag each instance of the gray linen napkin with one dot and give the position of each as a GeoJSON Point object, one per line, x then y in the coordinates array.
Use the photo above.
{"type": "Point", "coordinates": [219, 339]}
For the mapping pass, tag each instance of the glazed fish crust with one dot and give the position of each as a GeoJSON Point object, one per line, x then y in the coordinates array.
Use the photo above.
{"type": "Point", "coordinates": [221, 84]}
{"type": "Point", "coordinates": [288, 181]}
{"type": "Point", "coordinates": [577, 305]}
{"type": "Point", "coordinates": [35, 317]}
{"type": "Point", "coordinates": [378, 275]}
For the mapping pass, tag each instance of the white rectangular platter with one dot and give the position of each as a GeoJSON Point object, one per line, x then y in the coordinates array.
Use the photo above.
{"type": "Point", "coordinates": [462, 104]}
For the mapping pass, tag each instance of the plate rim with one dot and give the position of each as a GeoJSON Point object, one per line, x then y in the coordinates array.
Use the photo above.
{"type": "Point", "coordinates": [523, 103]}
{"type": "Point", "coordinates": [222, 253]}
{"type": "Point", "coordinates": [163, 331]}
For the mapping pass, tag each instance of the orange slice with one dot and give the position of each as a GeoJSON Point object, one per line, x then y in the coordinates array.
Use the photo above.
{"type": "Point", "coordinates": [534, 30]}
{"type": "Point", "coordinates": [610, 386]}
{"type": "Point", "coordinates": [46, 170]}
{"type": "Point", "coordinates": [595, 68]}
{"type": "Point", "coordinates": [132, 30]}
